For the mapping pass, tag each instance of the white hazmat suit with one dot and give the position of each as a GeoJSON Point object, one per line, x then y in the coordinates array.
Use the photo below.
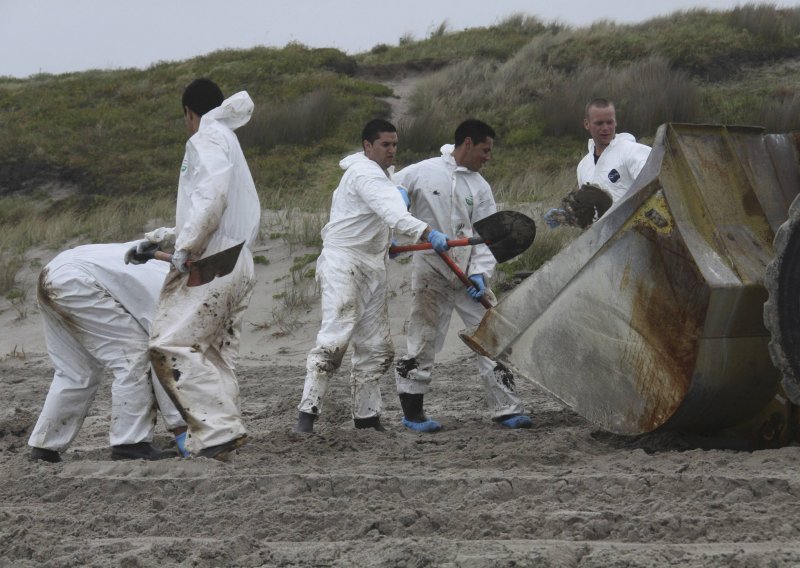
{"type": "Point", "coordinates": [451, 198]}
{"type": "Point", "coordinates": [616, 168]}
{"type": "Point", "coordinates": [194, 344]}
{"type": "Point", "coordinates": [97, 312]}
{"type": "Point", "coordinates": [351, 271]}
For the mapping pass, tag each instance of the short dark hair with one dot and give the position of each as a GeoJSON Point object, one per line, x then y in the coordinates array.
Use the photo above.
{"type": "Point", "coordinates": [474, 129]}
{"type": "Point", "coordinates": [201, 95]}
{"type": "Point", "coordinates": [373, 129]}
{"type": "Point", "coordinates": [597, 103]}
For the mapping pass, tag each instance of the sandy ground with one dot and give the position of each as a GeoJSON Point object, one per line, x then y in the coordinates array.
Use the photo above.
{"type": "Point", "coordinates": [560, 494]}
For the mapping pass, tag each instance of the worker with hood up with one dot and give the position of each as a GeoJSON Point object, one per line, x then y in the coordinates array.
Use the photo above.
{"type": "Point", "coordinates": [194, 344]}
{"type": "Point", "coordinates": [97, 314]}
{"type": "Point", "coordinates": [351, 271]}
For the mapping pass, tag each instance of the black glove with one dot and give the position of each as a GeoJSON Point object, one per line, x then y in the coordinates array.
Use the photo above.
{"type": "Point", "coordinates": [585, 204]}
{"type": "Point", "coordinates": [141, 252]}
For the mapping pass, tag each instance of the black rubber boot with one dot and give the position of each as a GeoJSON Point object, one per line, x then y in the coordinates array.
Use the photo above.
{"type": "Point", "coordinates": [412, 407]}
{"type": "Point", "coordinates": [305, 423]}
{"type": "Point", "coordinates": [140, 451]}
{"type": "Point", "coordinates": [45, 455]}
{"type": "Point", "coordinates": [373, 422]}
{"type": "Point", "coordinates": [221, 452]}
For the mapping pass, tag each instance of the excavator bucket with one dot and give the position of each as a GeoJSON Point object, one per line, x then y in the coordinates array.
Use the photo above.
{"type": "Point", "coordinates": [652, 319]}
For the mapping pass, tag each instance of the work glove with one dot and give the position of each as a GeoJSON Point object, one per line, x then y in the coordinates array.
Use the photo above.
{"type": "Point", "coordinates": [586, 204]}
{"type": "Point", "coordinates": [478, 288]}
{"type": "Point", "coordinates": [393, 255]}
{"type": "Point", "coordinates": [179, 260]}
{"type": "Point", "coordinates": [555, 217]}
{"type": "Point", "coordinates": [140, 253]}
{"type": "Point", "coordinates": [404, 194]}
{"type": "Point", "coordinates": [438, 240]}
{"type": "Point", "coordinates": [164, 236]}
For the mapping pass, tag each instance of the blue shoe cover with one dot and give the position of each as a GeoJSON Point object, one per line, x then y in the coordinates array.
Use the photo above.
{"type": "Point", "coordinates": [427, 426]}
{"type": "Point", "coordinates": [180, 440]}
{"type": "Point", "coordinates": [517, 421]}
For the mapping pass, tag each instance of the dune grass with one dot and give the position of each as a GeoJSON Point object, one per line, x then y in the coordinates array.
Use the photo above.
{"type": "Point", "coordinates": [117, 137]}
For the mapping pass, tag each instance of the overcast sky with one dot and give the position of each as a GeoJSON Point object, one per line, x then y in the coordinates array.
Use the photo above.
{"type": "Point", "coordinates": [58, 36]}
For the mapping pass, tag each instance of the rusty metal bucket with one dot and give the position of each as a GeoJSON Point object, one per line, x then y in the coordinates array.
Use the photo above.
{"type": "Point", "coordinates": [652, 318]}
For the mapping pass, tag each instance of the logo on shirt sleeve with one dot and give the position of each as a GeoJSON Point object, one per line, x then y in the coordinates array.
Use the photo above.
{"type": "Point", "coordinates": [614, 176]}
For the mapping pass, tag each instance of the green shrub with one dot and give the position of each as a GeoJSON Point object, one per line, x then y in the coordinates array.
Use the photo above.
{"type": "Point", "coordinates": [310, 118]}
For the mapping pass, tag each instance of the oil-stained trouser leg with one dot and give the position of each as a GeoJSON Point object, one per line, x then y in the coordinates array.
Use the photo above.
{"type": "Point", "coordinates": [194, 346]}
{"type": "Point", "coordinates": [353, 309]}
{"type": "Point", "coordinates": [498, 381]}
{"type": "Point", "coordinates": [373, 353]}
{"type": "Point", "coordinates": [431, 310]}
{"type": "Point", "coordinates": [87, 330]}
{"type": "Point", "coordinates": [75, 381]}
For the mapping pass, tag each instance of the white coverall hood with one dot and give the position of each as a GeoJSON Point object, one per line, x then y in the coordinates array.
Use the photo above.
{"type": "Point", "coordinates": [450, 198]}
{"type": "Point", "coordinates": [218, 205]}
{"type": "Point", "coordinates": [365, 206]}
{"type": "Point", "coordinates": [234, 111]}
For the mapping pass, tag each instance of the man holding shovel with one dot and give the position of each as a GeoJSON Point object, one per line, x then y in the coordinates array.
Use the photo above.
{"type": "Point", "coordinates": [449, 192]}
{"type": "Point", "coordinates": [352, 274]}
{"type": "Point", "coordinates": [194, 342]}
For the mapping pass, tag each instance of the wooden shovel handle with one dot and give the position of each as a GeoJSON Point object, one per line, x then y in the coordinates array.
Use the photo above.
{"type": "Point", "coordinates": [463, 277]}
{"type": "Point", "coordinates": [465, 242]}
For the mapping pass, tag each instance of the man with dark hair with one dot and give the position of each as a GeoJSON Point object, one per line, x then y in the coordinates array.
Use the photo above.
{"type": "Point", "coordinates": [194, 343]}
{"type": "Point", "coordinates": [449, 192]}
{"type": "Point", "coordinates": [606, 172]}
{"type": "Point", "coordinates": [351, 271]}
{"type": "Point", "coordinates": [202, 95]}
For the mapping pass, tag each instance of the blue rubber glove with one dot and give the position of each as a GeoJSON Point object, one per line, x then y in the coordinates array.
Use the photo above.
{"type": "Point", "coordinates": [554, 217]}
{"type": "Point", "coordinates": [180, 439]}
{"type": "Point", "coordinates": [404, 194]}
{"type": "Point", "coordinates": [438, 240]}
{"type": "Point", "coordinates": [478, 288]}
{"type": "Point", "coordinates": [394, 255]}
{"type": "Point", "coordinates": [179, 260]}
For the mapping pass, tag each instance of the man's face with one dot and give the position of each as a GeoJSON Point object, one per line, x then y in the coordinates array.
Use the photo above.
{"type": "Point", "coordinates": [602, 125]}
{"type": "Point", "coordinates": [383, 150]}
{"type": "Point", "coordinates": [476, 155]}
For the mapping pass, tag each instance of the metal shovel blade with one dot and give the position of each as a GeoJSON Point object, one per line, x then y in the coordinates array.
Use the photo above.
{"type": "Point", "coordinates": [506, 233]}
{"type": "Point", "coordinates": [206, 269]}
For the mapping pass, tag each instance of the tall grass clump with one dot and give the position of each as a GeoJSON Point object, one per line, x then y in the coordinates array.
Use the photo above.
{"type": "Point", "coordinates": [303, 228]}
{"type": "Point", "coordinates": [308, 119]}
{"type": "Point", "coordinates": [422, 135]}
{"type": "Point", "coordinates": [766, 21]}
{"type": "Point", "coordinates": [646, 94]}
{"type": "Point", "coordinates": [10, 265]}
{"type": "Point", "coordinates": [458, 90]}
{"type": "Point", "coordinates": [780, 114]}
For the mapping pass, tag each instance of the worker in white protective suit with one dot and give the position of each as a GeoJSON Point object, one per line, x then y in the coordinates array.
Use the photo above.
{"type": "Point", "coordinates": [351, 271]}
{"type": "Point", "coordinates": [612, 164]}
{"type": "Point", "coordinates": [97, 314]}
{"type": "Point", "coordinates": [194, 343]}
{"type": "Point", "coordinates": [449, 192]}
